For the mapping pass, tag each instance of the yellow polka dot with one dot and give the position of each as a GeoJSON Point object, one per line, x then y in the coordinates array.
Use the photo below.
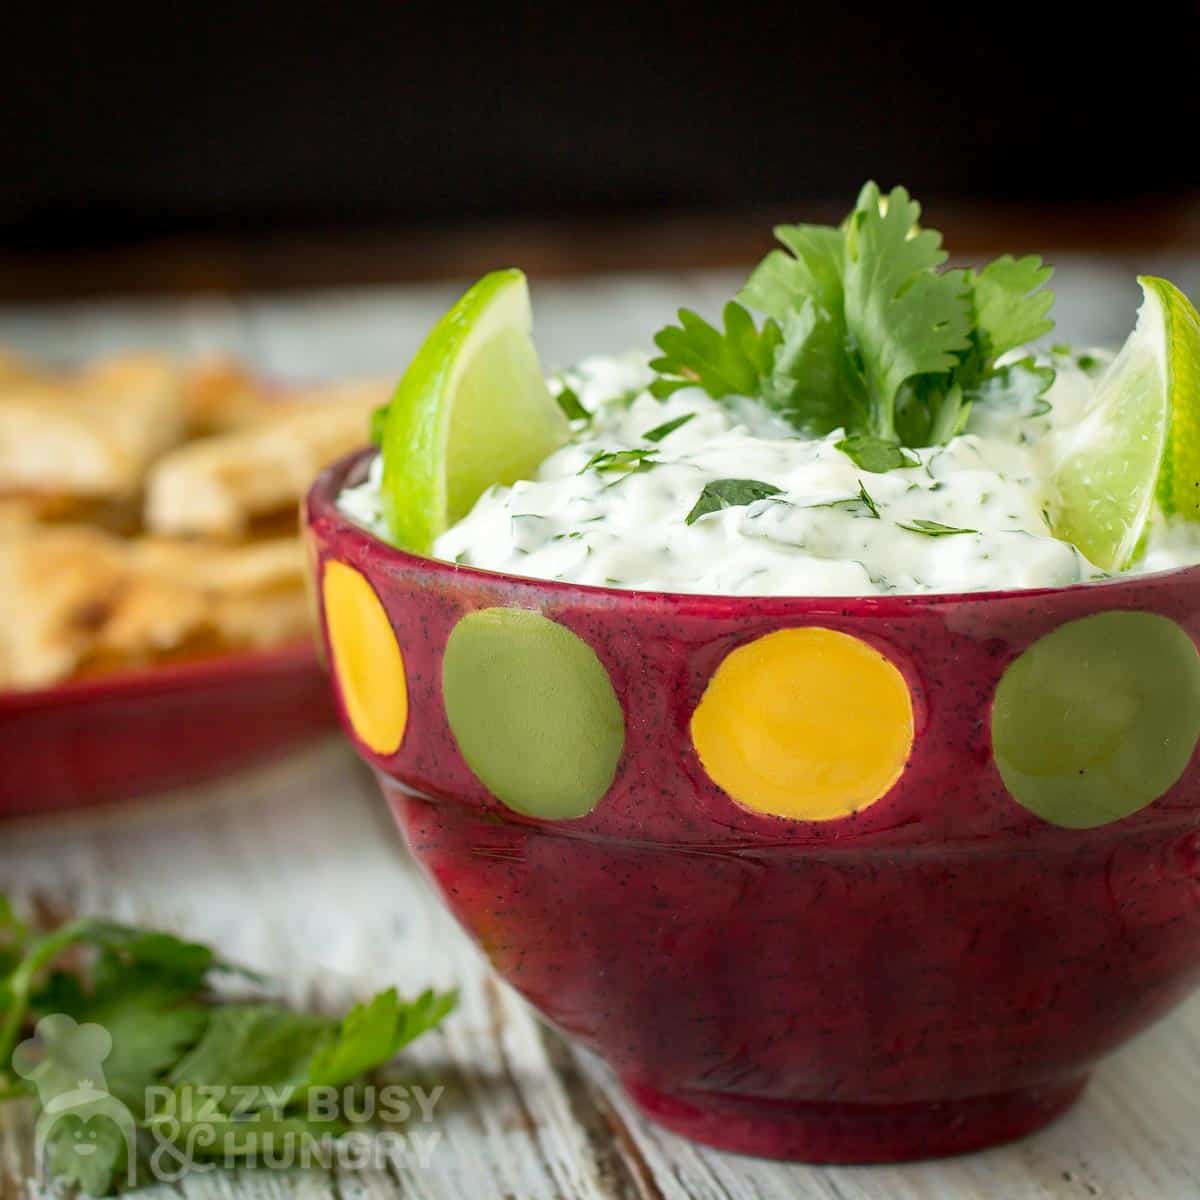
{"type": "Point", "coordinates": [807, 723]}
{"type": "Point", "coordinates": [366, 659]}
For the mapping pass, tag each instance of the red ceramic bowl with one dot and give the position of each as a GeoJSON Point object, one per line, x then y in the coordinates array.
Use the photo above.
{"type": "Point", "coordinates": [124, 734]}
{"type": "Point", "coordinates": [934, 972]}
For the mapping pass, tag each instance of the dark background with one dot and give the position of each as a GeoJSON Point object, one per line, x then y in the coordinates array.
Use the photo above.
{"type": "Point", "coordinates": [123, 125]}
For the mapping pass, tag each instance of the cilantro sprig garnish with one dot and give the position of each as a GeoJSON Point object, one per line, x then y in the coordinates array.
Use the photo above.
{"type": "Point", "coordinates": [151, 992]}
{"type": "Point", "coordinates": [864, 329]}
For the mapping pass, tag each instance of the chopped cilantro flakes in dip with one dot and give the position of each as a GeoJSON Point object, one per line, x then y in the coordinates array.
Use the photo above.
{"type": "Point", "coordinates": [970, 516]}
{"type": "Point", "coordinates": [861, 419]}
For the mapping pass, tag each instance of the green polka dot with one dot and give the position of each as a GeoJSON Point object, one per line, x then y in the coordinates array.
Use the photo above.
{"type": "Point", "coordinates": [533, 712]}
{"type": "Point", "coordinates": [1099, 718]}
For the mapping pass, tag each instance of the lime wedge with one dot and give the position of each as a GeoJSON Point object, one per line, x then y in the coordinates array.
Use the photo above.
{"type": "Point", "coordinates": [1140, 438]}
{"type": "Point", "coordinates": [1179, 481]}
{"type": "Point", "coordinates": [472, 410]}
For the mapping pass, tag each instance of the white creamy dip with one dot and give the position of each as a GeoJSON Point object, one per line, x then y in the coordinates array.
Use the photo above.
{"type": "Point", "coordinates": [816, 536]}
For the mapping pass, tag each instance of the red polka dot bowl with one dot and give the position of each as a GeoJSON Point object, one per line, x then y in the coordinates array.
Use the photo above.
{"type": "Point", "coordinates": [838, 879]}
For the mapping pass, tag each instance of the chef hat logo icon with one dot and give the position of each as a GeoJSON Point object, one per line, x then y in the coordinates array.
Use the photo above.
{"type": "Point", "coordinates": [65, 1063]}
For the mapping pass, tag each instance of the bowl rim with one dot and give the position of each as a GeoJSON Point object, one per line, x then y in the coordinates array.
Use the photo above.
{"type": "Point", "coordinates": [321, 505]}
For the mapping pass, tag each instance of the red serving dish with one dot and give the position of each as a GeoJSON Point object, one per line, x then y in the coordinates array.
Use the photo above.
{"type": "Point", "coordinates": [127, 733]}
{"type": "Point", "coordinates": [933, 972]}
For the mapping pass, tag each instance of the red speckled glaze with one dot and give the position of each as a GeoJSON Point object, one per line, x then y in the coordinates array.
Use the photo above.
{"type": "Point", "coordinates": [936, 973]}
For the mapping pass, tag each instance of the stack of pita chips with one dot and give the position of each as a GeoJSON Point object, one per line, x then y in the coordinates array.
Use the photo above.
{"type": "Point", "coordinates": [148, 511]}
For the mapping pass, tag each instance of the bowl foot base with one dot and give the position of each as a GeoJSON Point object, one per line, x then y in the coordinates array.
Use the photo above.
{"type": "Point", "coordinates": [817, 1132]}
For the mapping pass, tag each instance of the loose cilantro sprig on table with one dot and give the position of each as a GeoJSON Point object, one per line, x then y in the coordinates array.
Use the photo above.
{"type": "Point", "coordinates": [151, 992]}
{"type": "Point", "coordinates": [864, 330]}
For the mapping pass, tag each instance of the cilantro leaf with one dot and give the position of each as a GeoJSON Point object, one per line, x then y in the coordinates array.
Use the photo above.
{"type": "Point", "coordinates": [1011, 303]}
{"type": "Point", "coordinates": [373, 1033]}
{"type": "Point", "coordinates": [181, 965]}
{"type": "Point", "coordinates": [813, 384]}
{"type": "Point", "coordinates": [728, 362]}
{"type": "Point", "coordinates": [903, 318]}
{"type": "Point", "coordinates": [261, 1044]}
{"type": "Point", "coordinates": [1023, 385]}
{"type": "Point", "coordinates": [933, 528]}
{"type": "Point", "coordinates": [125, 946]}
{"type": "Point", "coordinates": [931, 409]}
{"type": "Point", "coordinates": [620, 460]}
{"type": "Point", "coordinates": [379, 420]}
{"type": "Point", "coordinates": [876, 455]}
{"type": "Point", "coordinates": [864, 330]}
{"type": "Point", "coordinates": [14, 933]}
{"type": "Point", "coordinates": [419, 1016]}
{"type": "Point", "coordinates": [813, 271]}
{"type": "Point", "coordinates": [142, 987]}
{"type": "Point", "coordinates": [282, 1055]}
{"type": "Point", "coordinates": [1009, 309]}
{"type": "Point", "coordinates": [151, 1024]}
{"type": "Point", "coordinates": [148, 990]}
{"type": "Point", "coordinates": [572, 407]}
{"type": "Point", "coordinates": [854, 504]}
{"type": "Point", "coordinates": [729, 493]}
{"type": "Point", "coordinates": [275, 1047]}
{"type": "Point", "coordinates": [667, 427]}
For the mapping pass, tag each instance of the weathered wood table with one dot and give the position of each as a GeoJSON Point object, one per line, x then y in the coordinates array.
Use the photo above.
{"type": "Point", "coordinates": [296, 868]}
